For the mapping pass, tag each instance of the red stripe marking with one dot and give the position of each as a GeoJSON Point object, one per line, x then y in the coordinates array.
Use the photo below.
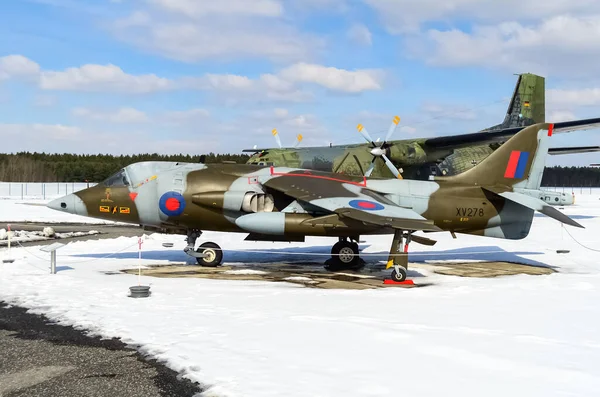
{"type": "Point", "coordinates": [550, 129]}
{"type": "Point", "coordinates": [363, 184]}
{"type": "Point", "coordinates": [512, 164]}
{"type": "Point", "coordinates": [133, 196]}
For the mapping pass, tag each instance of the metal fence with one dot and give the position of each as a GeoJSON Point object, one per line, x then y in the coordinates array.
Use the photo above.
{"type": "Point", "coordinates": [38, 190]}
{"type": "Point", "coordinates": [577, 190]}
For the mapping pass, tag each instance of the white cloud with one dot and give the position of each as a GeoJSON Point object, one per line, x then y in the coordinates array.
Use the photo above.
{"type": "Point", "coordinates": [195, 9]}
{"type": "Point", "coordinates": [39, 132]}
{"type": "Point", "coordinates": [335, 6]}
{"type": "Point", "coordinates": [560, 115]}
{"type": "Point", "coordinates": [129, 115]}
{"type": "Point", "coordinates": [573, 98]}
{"type": "Point", "coordinates": [360, 34]}
{"type": "Point", "coordinates": [193, 31]}
{"type": "Point", "coordinates": [335, 79]}
{"type": "Point", "coordinates": [60, 138]}
{"type": "Point", "coordinates": [102, 78]}
{"type": "Point", "coordinates": [401, 16]}
{"type": "Point", "coordinates": [16, 66]}
{"type": "Point", "coordinates": [289, 84]}
{"type": "Point", "coordinates": [547, 48]}
{"type": "Point", "coordinates": [122, 115]}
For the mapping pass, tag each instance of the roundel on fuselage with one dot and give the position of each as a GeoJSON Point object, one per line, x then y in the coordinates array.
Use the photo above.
{"type": "Point", "coordinates": [172, 204]}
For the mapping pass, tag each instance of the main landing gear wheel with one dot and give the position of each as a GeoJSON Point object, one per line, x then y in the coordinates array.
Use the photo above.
{"type": "Point", "coordinates": [399, 274]}
{"type": "Point", "coordinates": [212, 255]}
{"type": "Point", "coordinates": [344, 256]}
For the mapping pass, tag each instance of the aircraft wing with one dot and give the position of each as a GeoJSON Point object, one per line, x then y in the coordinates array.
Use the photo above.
{"type": "Point", "coordinates": [348, 199]}
{"type": "Point", "coordinates": [571, 150]}
{"type": "Point", "coordinates": [483, 137]}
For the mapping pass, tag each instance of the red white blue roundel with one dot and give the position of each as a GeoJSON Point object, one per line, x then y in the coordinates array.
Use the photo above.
{"type": "Point", "coordinates": [366, 205]}
{"type": "Point", "coordinates": [172, 203]}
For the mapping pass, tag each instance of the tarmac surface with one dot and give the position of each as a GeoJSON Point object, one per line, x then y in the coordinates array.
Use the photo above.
{"type": "Point", "coordinates": [39, 359]}
{"type": "Point", "coordinates": [106, 231]}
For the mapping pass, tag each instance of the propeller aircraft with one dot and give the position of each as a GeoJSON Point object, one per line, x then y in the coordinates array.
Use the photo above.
{"type": "Point", "coordinates": [419, 158]}
{"type": "Point", "coordinates": [272, 203]}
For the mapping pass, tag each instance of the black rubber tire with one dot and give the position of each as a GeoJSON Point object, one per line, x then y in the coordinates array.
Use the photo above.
{"type": "Point", "coordinates": [216, 255]}
{"type": "Point", "coordinates": [399, 275]}
{"type": "Point", "coordinates": [345, 247]}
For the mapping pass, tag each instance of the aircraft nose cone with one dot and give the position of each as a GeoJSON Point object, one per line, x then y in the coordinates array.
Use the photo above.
{"type": "Point", "coordinates": [70, 203]}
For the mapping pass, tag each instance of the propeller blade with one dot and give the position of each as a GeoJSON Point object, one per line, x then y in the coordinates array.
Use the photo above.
{"type": "Point", "coordinates": [364, 133]}
{"type": "Point", "coordinates": [393, 127]}
{"type": "Point", "coordinates": [371, 168]}
{"type": "Point", "coordinates": [298, 140]}
{"type": "Point", "coordinates": [276, 135]}
{"type": "Point", "coordinates": [391, 167]}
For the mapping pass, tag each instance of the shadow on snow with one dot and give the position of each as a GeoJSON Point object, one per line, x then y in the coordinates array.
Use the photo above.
{"type": "Point", "coordinates": [319, 254]}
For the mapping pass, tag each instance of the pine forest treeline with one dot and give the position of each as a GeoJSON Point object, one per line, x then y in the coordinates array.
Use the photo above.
{"type": "Point", "coordinates": [41, 167]}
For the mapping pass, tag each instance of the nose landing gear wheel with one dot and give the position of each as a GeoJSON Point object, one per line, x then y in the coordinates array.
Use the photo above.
{"type": "Point", "coordinates": [399, 274]}
{"type": "Point", "coordinates": [213, 255]}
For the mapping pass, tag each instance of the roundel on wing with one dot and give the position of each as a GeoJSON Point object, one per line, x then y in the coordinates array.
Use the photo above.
{"type": "Point", "coordinates": [366, 205]}
{"type": "Point", "coordinates": [172, 204]}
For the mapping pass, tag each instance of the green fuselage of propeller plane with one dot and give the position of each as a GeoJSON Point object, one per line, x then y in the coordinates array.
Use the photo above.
{"type": "Point", "coordinates": [420, 158]}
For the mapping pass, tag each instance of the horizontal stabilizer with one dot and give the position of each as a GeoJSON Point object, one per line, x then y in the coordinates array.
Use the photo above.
{"type": "Point", "coordinates": [387, 221]}
{"type": "Point", "coordinates": [537, 205]}
{"type": "Point", "coordinates": [572, 150]}
{"type": "Point", "coordinates": [457, 141]}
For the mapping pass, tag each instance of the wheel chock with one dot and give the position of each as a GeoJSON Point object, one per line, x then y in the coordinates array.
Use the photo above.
{"type": "Point", "coordinates": [392, 282]}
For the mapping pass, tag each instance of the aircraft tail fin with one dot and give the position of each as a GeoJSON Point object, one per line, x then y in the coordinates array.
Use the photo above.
{"type": "Point", "coordinates": [527, 105]}
{"type": "Point", "coordinates": [519, 162]}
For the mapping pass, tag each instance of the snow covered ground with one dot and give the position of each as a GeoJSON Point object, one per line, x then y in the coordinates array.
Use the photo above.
{"type": "Point", "coordinates": [515, 335]}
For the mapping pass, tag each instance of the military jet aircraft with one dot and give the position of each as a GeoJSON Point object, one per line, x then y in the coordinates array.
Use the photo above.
{"type": "Point", "coordinates": [286, 204]}
{"type": "Point", "coordinates": [422, 157]}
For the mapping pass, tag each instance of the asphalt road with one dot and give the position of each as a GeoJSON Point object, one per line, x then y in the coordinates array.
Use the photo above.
{"type": "Point", "coordinates": [106, 231]}
{"type": "Point", "coordinates": [38, 359]}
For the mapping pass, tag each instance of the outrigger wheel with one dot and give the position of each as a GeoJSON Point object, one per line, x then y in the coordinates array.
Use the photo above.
{"type": "Point", "coordinates": [212, 255]}
{"type": "Point", "coordinates": [399, 274]}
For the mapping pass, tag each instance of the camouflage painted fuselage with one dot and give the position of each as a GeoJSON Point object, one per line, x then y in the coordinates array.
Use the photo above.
{"type": "Point", "coordinates": [212, 197]}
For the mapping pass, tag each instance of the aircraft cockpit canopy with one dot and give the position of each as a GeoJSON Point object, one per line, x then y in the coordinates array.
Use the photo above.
{"type": "Point", "coordinates": [117, 180]}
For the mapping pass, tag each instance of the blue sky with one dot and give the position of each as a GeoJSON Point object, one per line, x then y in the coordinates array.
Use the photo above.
{"type": "Point", "coordinates": [193, 76]}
